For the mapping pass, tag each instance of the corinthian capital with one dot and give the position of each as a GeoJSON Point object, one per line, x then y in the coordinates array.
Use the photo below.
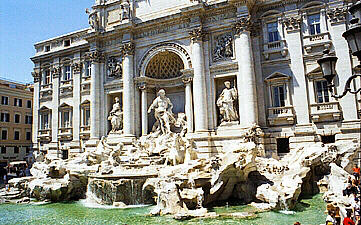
{"type": "Point", "coordinates": [292, 23]}
{"type": "Point", "coordinates": [36, 76]}
{"type": "Point", "coordinates": [76, 67]}
{"type": "Point", "coordinates": [96, 56]}
{"type": "Point", "coordinates": [127, 48]}
{"type": "Point", "coordinates": [247, 24]}
{"type": "Point", "coordinates": [337, 15]}
{"type": "Point", "coordinates": [55, 71]}
{"type": "Point", "coordinates": [197, 34]}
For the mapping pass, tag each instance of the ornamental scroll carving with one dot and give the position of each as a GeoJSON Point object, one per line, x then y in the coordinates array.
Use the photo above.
{"type": "Point", "coordinates": [76, 67]}
{"type": "Point", "coordinates": [292, 23]}
{"type": "Point", "coordinates": [247, 24]}
{"type": "Point", "coordinates": [127, 48]}
{"type": "Point", "coordinates": [337, 15]}
{"type": "Point", "coordinates": [95, 56]}
{"type": "Point", "coordinates": [223, 47]}
{"type": "Point", "coordinates": [197, 34]}
{"type": "Point", "coordinates": [36, 76]}
{"type": "Point", "coordinates": [114, 67]}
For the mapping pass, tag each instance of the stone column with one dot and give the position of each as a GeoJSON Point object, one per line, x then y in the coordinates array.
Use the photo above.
{"type": "Point", "coordinates": [246, 84]}
{"type": "Point", "coordinates": [144, 108]}
{"type": "Point", "coordinates": [127, 50]}
{"type": "Point", "coordinates": [55, 72]}
{"type": "Point", "coordinates": [96, 58]}
{"type": "Point", "coordinates": [188, 103]}
{"type": "Point", "coordinates": [36, 101]}
{"type": "Point", "coordinates": [76, 68]}
{"type": "Point", "coordinates": [199, 81]}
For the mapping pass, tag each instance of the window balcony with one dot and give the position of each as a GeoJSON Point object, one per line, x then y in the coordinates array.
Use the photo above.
{"type": "Point", "coordinates": [65, 133]}
{"type": "Point", "coordinates": [46, 86]}
{"type": "Point", "coordinates": [321, 41]}
{"type": "Point", "coordinates": [66, 82]}
{"type": "Point", "coordinates": [44, 134]}
{"type": "Point", "coordinates": [275, 47]}
{"type": "Point", "coordinates": [328, 111]}
{"type": "Point", "coordinates": [281, 115]}
{"type": "Point", "coordinates": [85, 132]}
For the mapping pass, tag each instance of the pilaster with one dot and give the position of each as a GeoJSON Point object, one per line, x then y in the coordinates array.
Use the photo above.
{"type": "Point", "coordinates": [55, 73]}
{"type": "Point", "coordinates": [188, 103]}
{"type": "Point", "coordinates": [36, 106]}
{"type": "Point", "coordinates": [76, 68]}
{"type": "Point", "coordinates": [144, 107]}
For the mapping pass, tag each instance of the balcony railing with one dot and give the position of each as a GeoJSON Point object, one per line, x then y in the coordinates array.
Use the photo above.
{"type": "Point", "coordinates": [281, 115]}
{"type": "Point", "coordinates": [85, 132]}
{"type": "Point", "coordinates": [325, 111]}
{"type": "Point", "coordinates": [44, 133]}
{"type": "Point", "coordinates": [65, 132]}
{"type": "Point", "coordinates": [316, 40]}
{"type": "Point", "coordinates": [46, 86]}
{"type": "Point", "coordinates": [66, 82]}
{"type": "Point", "coordinates": [275, 47]}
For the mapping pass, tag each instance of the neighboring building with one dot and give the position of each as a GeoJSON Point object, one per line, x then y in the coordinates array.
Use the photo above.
{"type": "Point", "coordinates": [15, 121]}
{"type": "Point", "coordinates": [190, 48]}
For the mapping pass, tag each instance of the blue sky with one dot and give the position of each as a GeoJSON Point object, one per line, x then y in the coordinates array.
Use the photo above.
{"type": "Point", "coordinates": [25, 22]}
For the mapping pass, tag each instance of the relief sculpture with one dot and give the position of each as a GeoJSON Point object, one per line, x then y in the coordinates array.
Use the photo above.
{"type": "Point", "coordinates": [223, 47]}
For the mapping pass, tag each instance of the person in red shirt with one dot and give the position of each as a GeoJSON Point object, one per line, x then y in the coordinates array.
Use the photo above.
{"type": "Point", "coordinates": [356, 172]}
{"type": "Point", "coordinates": [348, 220]}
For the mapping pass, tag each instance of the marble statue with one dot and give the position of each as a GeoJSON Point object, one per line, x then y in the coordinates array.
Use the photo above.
{"type": "Point", "coordinates": [225, 103]}
{"type": "Point", "coordinates": [116, 116]}
{"type": "Point", "coordinates": [125, 10]}
{"type": "Point", "coordinates": [163, 111]}
{"type": "Point", "coordinates": [93, 19]}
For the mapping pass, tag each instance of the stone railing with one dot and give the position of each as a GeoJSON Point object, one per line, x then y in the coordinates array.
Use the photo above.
{"type": "Point", "coordinates": [275, 47]}
{"type": "Point", "coordinates": [84, 131]}
{"type": "Point", "coordinates": [44, 134]}
{"type": "Point", "coordinates": [66, 82]}
{"type": "Point", "coordinates": [316, 40]}
{"type": "Point", "coordinates": [65, 132]}
{"type": "Point", "coordinates": [281, 115]}
{"type": "Point", "coordinates": [327, 111]}
{"type": "Point", "coordinates": [46, 86]}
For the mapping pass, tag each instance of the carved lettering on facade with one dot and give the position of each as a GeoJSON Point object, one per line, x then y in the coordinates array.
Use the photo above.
{"type": "Point", "coordinates": [220, 17]}
{"type": "Point", "coordinates": [161, 29]}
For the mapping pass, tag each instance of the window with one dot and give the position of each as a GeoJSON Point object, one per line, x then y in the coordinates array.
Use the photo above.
{"type": "Point", "coordinates": [66, 43]}
{"type": "Point", "coordinates": [44, 121]}
{"type": "Point", "coordinates": [88, 67]}
{"type": "Point", "coordinates": [322, 94]}
{"type": "Point", "coordinates": [4, 134]}
{"type": "Point", "coordinates": [66, 118]}
{"type": "Point", "coordinates": [27, 150]}
{"type": "Point", "coordinates": [18, 102]}
{"type": "Point", "coordinates": [16, 135]}
{"type": "Point", "coordinates": [5, 117]}
{"type": "Point", "coordinates": [28, 135]}
{"type": "Point", "coordinates": [283, 145]}
{"type": "Point", "coordinates": [278, 96]}
{"type": "Point", "coordinates": [314, 24]}
{"type": "Point", "coordinates": [47, 48]}
{"type": "Point", "coordinates": [17, 118]}
{"type": "Point", "coordinates": [16, 150]}
{"type": "Point", "coordinates": [4, 100]}
{"type": "Point", "coordinates": [67, 73]}
{"type": "Point", "coordinates": [28, 104]}
{"type": "Point", "coordinates": [46, 76]}
{"type": "Point", "coordinates": [3, 150]}
{"type": "Point", "coordinates": [86, 116]}
{"type": "Point", "coordinates": [65, 154]}
{"type": "Point", "coordinates": [28, 119]}
{"type": "Point", "coordinates": [272, 29]}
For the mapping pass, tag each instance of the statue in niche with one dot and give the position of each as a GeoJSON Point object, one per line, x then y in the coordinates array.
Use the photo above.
{"type": "Point", "coordinates": [225, 103]}
{"type": "Point", "coordinates": [125, 10]}
{"type": "Point", "coordinates": [93, 19]}
{"type": "Point", "coordinates": [163, 112]}
{"type": "Point", "coordinates": [115, 67]}
{"type": "Point", "coordinates": [116, 116]}
{"type": "Point", "coordinates": [223, 47]}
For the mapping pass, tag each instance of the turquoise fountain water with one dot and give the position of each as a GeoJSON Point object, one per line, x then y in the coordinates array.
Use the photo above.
{"type": "Point", "coordinates": [308, 211]}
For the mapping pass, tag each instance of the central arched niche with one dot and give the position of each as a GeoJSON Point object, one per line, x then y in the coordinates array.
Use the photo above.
{"type": "Point", "coordinates": [164, 65]}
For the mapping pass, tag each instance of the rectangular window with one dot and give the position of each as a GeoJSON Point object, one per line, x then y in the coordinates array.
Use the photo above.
{"type": "Point", "coordinates": [3, 150]}
{"type": "Point", "coordinates": [18, 102]}
{"type": "Point", "coordinates": [47, 77]}
{"type": "Point", "coordinates": [278, 96]}
{"type": "Point", "coordinates": [28, 104]}
{"type": "Point", "coordinates": [28, 135]}
{"type": "Point", "coordinates": [17, 118]}
{"type": "Point", "coordinates": [322, 94]}
{"type": "Point", "coordinates": [16, 135]}
{"type": "Point", "coordinates": [5, 117]}
{"type": "Point", "coordinates": [66, 119]}
{"type": "Point", "coordinates": [67, 73]}
{"type": "Point", "coordinates": [272, 29]}
{"type": "Point", "coordinates": [28, 119]}
{"type": "Point", "coordinates": [16, 150]}
{"type": "Point", "coordinates": [4, 100]}
{"type": "Point", "coordinates": [4, 134]}
{"type": "Point", "coordinates": [44, 118]}
{"type": "Point", "coordinates": [86, 117]}
{"type": "Point", "coordinates": [66, 43]}
{"type": "Point", "coordinates": [314, 24]}
{"type": "Point", "coordinates": [47, 48]}
{"type": "Point", "coordinates": [88, 69]}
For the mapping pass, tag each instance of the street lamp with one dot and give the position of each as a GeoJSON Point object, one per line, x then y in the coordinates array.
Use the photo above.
{"type": "Point", "coordinates": [353, 38]}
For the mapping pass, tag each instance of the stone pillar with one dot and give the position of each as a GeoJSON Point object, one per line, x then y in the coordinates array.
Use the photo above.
{"type": "Point", "coordinates": [199, 81]}
{"type": "Point", "coordinates": [188, 103]}
{"type": "Point", "coordinates": [55, 72]}
{"type": "Point", "coordinates": [76, 68]}
{"type": "Point", "coordinates": [144, 108]}
{"type": "Point", "coordinates": [127, 50]}
{"type": "Point", "coordinates": [246, 84]}
{"type": "Point", "coordinates": [96, 58]}
{"type": "Point", "coordinates": [36, 106]}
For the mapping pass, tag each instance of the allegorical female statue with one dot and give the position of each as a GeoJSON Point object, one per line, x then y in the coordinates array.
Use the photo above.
{"type": "Point", "coordinates": [116, 116]}
{"type": "Point", "coordinates": [163, 111]}
{"type": "Point", "coordinates": [225, 103]}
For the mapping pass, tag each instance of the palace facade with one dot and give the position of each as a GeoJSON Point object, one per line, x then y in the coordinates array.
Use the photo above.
{"type": "Point", "coordinates": [133, 48]}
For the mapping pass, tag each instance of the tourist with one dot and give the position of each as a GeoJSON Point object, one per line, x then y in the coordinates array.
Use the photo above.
{"type": "Point", "coordinates": [297, 223]}
{"type": "Point", "coordinates": [348, 220]}
{"type": "Point", "coordinates": [355, 206]}
{"type": "Point", "coordinates": [330, 219]}
{"type": "Point", "coordinates": [356, 172]}
{"type": "Point", "coordinates": [349, 190]}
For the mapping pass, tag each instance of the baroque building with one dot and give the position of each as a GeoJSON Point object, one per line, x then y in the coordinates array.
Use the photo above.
{"type": "Point", "coordinates": [224, 65]}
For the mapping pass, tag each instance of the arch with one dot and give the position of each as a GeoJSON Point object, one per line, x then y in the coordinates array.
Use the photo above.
{"type": "Point", "coordinates": [312, 4]}
{"type": "Point", "coordinates": [164, 65]}
{"type": "Point", "coordinates": [270, 13]}
{"type": "Point", "coordinates": [170, 47]}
